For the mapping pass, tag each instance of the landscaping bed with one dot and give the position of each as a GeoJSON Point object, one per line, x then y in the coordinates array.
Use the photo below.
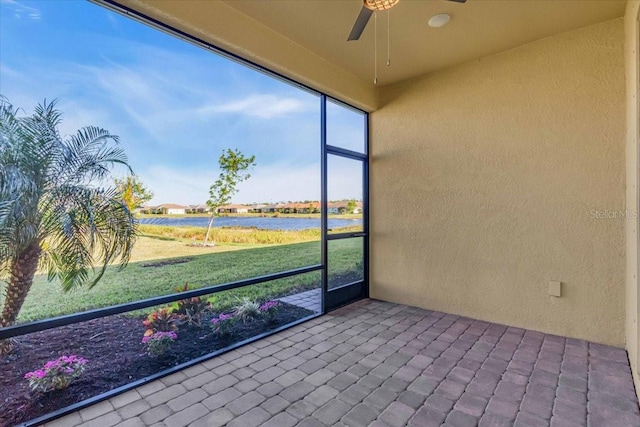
{"type": "Point", "coordinates": [115, 355]}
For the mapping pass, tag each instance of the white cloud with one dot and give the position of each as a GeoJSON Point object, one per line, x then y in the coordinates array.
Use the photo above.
{"type": "Point", "coordinates": [10, 72]}
{"type": "Point", "coordinates": [21, 11]}
{"type": "Point", "coordinates": [75, 117]}
{"type": "Point", "coordinates": [262, 106]}
{"type": "Point", "coordinates": [134, 93]}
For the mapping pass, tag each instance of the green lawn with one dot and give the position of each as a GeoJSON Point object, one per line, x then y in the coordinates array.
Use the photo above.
{"type": "Point", "coordinates": [208, 266]}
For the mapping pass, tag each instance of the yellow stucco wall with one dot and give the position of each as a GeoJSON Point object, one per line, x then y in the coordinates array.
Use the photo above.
{"type": "Point", "coordinates": [483, 177]}
{"type": "Point", "coordinates": [632, 49]}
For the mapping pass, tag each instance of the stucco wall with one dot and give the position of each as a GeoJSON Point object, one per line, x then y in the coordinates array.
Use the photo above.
{"type": "Point", "coordinates": [483, 177]}
{"type": "Point", "coordinates": [632, 49]}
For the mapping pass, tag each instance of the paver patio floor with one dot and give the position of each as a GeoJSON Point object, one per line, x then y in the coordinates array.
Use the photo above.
{"type": "Point", "coordinates": [311, 300]}
{"type": "Point", "coordinates": [375, 363]}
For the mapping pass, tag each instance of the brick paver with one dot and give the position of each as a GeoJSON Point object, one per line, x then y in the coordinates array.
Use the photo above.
{"type": "Point", "coordinates": [381, 364]}
{"type": "Point", "coordinates": [308, 299]}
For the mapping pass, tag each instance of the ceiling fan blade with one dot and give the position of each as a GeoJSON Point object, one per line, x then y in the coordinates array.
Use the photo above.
{"type": "Point", "coordinates": [360, 24]}
{"type": "Point", "coordinates": [459, 1]}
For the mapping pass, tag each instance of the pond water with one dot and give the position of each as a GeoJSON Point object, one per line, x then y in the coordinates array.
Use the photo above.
{"type": "Point", "coordinates": [267, 223]}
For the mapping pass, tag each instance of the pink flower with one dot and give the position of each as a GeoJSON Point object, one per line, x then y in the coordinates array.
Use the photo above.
{"type": "Point", "coordinates": [35, 374]}
{"type": "Point", "coordinates": [56, 374]}
{"type": "Point", "coordinates": [159, 335]}
{"type": "Point", "coordinates": [49, 365]}
{"type": "Point", "coordinates": [221, 318]}
{"type": "Point", "coordinates": [162, 334]}
{"type": "Point", "coordinates": [268, 305]}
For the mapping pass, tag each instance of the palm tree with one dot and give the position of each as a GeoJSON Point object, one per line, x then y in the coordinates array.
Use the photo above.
{"type": "Point", "coordinates": [54, 214]}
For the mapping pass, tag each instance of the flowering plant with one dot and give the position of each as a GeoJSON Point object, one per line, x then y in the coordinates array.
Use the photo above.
{"type": "Point", "coordinates": [158, 343]}
{"type": "Point", "coordinates": [56, 374]}
{"type": "Point", "coordinates": [162, 320]}
{"type": "Point", "coordinates": [223, 324]}
{"type": "Point", "coordinates": [270, 309]}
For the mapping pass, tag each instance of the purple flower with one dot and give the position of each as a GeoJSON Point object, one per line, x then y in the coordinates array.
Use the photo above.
{"type": "Point", "coordinates": [158, 343]}
{"type": "Point", "coordinates": [56, 374]}
{"type": "Point", "coordinates": [159, 336]}
{"type": "Point", "coordinates": [223, 323]}
{"type": "Point", "coordinates": [169, 334]}
{"type": "Point", "coordinates": [35, 374]}
{"type": "Point", "coordinates": [221, 318]}
{"type": "Point", "coordinates": [72, 359]}
{"type": "Point", "coordinates": [268, 305]}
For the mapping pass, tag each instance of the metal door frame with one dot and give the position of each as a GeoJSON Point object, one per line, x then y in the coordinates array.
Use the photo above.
{"type": "Point", "coordinates": [332, 299]}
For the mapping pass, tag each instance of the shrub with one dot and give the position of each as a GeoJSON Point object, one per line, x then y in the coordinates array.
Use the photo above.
{"type": "Point", "coordinates": [56, 374]}
{"type": "Point", "coordinates": [158, 343]}
{"type": "Point", "coordinates": [190, 310]}
{"type": "Point", "coordinates": [270, 309]}
{"type": "Point", "coordinates": [162, 320]}
{"type": "Point", "coordinates": [247, 310]}
{"type": "Point", "coordinates": [223, 324]}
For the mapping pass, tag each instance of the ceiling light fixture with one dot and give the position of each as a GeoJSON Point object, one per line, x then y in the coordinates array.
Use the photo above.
{"type": "Point", "coordinates": [379, 5]}
{"type": "Point", "coordinates": [440, 20]}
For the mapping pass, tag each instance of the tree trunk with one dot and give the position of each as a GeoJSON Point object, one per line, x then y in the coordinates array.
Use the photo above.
{"type": "Point", "coordinates": [206, 236]}
{"type": "Point", "coordinates": [22, 271]}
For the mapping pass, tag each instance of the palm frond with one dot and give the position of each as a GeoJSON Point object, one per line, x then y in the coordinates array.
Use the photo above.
{"type": "Point", "coordinates": [38, 141]}
{"type": "Point", "coordinates": [89, 156]}
{"type": "Point", "coordinates": [86, 229]}
{"type": "Point", "coordinates": [16, 231]}
{"type": "Point", "coordinates": [5, 208]}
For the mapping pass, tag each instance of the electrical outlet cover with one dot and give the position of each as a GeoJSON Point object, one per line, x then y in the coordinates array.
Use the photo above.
{"type": "Point", "coordinates": [555, 288]}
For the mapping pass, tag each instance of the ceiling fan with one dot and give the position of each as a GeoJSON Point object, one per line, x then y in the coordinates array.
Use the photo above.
{"type": "Point", "coordinates": [367, 10]}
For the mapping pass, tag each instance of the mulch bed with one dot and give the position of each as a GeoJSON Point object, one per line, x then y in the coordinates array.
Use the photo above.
{"type": "Point", "coordinates": [115, 354]}
{"type": "Point", "coordinates": [171, 261]}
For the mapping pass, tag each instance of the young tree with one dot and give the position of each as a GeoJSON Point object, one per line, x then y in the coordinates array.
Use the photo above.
{"type": "Point", "coordinates": [234, 167]}
{"type": "Point", "coordinates": [351, 206]}
{"type": "Point", "coordinates": [53, 216]}
{"type": "Point", "coordinates": [133, 192]}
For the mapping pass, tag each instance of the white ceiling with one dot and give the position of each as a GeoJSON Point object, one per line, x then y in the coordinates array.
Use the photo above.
{"type": "Point", "coordinates": [477, 29]}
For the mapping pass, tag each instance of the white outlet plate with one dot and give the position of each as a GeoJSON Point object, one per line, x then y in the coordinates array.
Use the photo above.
{"type": "Point", "coordinates": [555, 288]}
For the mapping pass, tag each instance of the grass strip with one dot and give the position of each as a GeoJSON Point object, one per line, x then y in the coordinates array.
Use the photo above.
{"type": "Point", "coordinates": [207, 266]}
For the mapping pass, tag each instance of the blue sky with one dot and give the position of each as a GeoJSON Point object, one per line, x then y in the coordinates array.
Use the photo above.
{"type": "Point", "coordinates": [175, 106]}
